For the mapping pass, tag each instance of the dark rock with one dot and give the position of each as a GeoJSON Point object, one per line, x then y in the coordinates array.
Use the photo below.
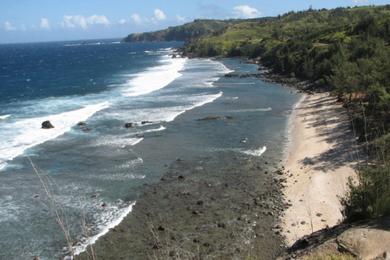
{"type": "Point", "coordinates": [180, 177]}
{"type": "Point", "coordinates": [140, 135]}
{"type": "Point", "coordinates": [47, 125]}
{"type": "Point", "coordinates": [129, 125]}
{"type": "Point", "coordinates": [208, 118]}
{"type": "Point", "coordinates": [221, 225]}
{"type": "Point", "coordinates": [81, 123]}
{"type": "Point", "coordinates": [146, 122]}
{"type": "Point", "coordinates": [160, 228]}
{"type": "Point", "coordinates": [156, 246]}
{"type": "Point", "coordinates": [199, 202]}
{"type": "Point", "coordinates": [300, 244]}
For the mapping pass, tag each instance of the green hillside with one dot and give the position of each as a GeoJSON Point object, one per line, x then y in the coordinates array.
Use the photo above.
{"type": "Point", "coordinates": [184, 32]}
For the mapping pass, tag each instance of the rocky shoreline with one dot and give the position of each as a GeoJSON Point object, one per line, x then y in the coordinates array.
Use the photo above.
{"type": "Point", "coordinates": [200, 210]}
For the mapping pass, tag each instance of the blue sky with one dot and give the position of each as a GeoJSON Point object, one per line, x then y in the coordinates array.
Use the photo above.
{"type": "Point", "coordinates": [53, 20]}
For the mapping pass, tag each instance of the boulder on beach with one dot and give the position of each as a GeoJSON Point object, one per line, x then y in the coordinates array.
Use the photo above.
{"type": "Point", "coordinates": [129, 125]}
{"type": "Point", "coordinates": [47, 125]}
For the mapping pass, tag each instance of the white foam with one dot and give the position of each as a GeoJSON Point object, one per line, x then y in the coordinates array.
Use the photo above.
{"type": "Point", "coordinates": [225, 69]}
{"type": "Point", "coordinates": [136, 141]}
{"type": "Point", "coordinates": [3, 117]}
{"type": "Point", "coordinates": [26, 133]}
{"type": "Point", "coordinates": [205, 100]}
{"type": "Point", "coordinates": [131, 163]}
{"type": "Point", "coordinates": [117, 141]}
{"type": "Point", "coordinates": [211, 81]}
{"type": "Point", "coordinates": [257, 152]}
{"type": "Point", "coordinates": [231, 98]}
{"type": "Point", "coordinates": [122, 213]}
{"type": "Point", "coordinates": [165, 114]}
{"type": "Point", "coordinates": [161, 128]}
{"type": "Point", "coordinates": [121, 177]}
{"type": "Point", "coordinates": [252, 110]}
{"type": "Point", "coordinates": [94, 43]}
{"type": "Point", "coordinates": [72, 44]}
{"type": "Point", "coordinates": [154, 78]}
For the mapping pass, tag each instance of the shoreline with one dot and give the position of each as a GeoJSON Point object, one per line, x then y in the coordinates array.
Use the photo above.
{"type": "Point", "coordinates": [317, 174]}
{"type": "Point", "coordinates": [287, 206]}
{"type": "Point", "coordinates": [224, 204]}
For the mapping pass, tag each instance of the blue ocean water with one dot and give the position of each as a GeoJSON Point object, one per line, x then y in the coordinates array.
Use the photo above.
{"type": "Point", "coordinates": [95, 171]}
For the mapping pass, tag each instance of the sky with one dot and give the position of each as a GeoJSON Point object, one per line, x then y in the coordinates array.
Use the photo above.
{"type": "Point", "coordinates": [57, 20]}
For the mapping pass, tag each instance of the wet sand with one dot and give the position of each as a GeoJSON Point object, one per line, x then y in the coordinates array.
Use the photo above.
{"type": "Point", "coordinates": [319, 162]}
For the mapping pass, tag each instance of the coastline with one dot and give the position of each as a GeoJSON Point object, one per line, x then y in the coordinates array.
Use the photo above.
{"type": "Point", "coordinates": [318, 164]}
{"type": "Point", "coordinates": [309, 190]}
{"type": "Point", "coordinates": [223, 203]}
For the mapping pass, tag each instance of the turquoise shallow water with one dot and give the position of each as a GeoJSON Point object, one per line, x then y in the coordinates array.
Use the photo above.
{"type": "Point", "coordinates": [95, 172]}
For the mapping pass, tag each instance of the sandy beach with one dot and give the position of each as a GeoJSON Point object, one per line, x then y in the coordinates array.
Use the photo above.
{"type": "Point", "coordinates": [319, 162]}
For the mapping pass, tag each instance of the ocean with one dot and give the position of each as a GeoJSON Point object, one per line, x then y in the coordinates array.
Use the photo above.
{"type": "Point", "coordinates": [90, 168]}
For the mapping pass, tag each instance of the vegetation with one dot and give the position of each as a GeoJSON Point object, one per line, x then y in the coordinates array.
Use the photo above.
{"type": "Point", "coordinates": [185, 32]}
{"type": "Point", "coordinates": [346, 50]}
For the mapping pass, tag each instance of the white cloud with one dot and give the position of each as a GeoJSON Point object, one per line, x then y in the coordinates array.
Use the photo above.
{"type": "Point", "coordinates": [75, 21]}
{"type": "Point", "coordinates": [44, 24]}
{"type": "Point", "coordinates": [245, 11]}
{"type": "Point", "coordinates": [98, 19]}
{"type": "Point", "coordinates": [180, 18]}
{"type": "Point", "coordinates": [136, 18]}
{"type": "Point", "coordinates": [8, 26]}
{"type": "Point", "coordinates": [122, 21]}
{"type": "Point", "coordinates": [159, 15]}
{"type": "Point", "coordinates": [360, 1]}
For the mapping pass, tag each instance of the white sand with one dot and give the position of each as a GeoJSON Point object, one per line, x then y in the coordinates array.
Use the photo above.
{"type": "Point", "coordinates": [320, 160]}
